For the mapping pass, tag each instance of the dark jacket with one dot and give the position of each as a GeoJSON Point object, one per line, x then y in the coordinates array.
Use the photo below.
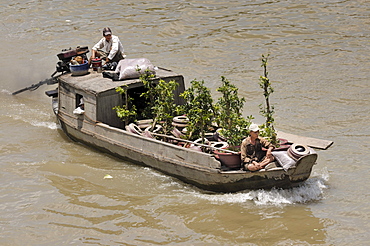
{"type": "Point", "coordinates": [250, 152]}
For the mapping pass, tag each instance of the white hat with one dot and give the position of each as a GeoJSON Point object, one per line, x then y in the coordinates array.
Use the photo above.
{"type": "Point", "coordinates": [254, 127]}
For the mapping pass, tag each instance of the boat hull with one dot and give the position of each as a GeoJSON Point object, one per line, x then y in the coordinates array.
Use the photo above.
{"type": "Point", "coordinates": [197, 168]}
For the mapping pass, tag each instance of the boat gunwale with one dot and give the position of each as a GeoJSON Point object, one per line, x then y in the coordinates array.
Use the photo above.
{"type": "Point", "coordinates": [133, 148]}
{"type": "Point", "coordinates": [228, 172]}
{"type": "Point", "coordinates": [275, 177]}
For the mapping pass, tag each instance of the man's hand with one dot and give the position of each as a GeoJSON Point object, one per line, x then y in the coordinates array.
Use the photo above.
{"type": "Point", "coordinates": [269, 154]}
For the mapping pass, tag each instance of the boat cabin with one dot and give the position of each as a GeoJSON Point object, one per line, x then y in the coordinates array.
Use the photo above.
{"type": "Point", "coordinates": [99, 94]}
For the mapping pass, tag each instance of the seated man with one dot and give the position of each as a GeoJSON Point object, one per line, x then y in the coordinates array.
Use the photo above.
{"type": "Point", "coordinates": [252, 155]}
{"type": "Point", "coordinates": [109, 48]}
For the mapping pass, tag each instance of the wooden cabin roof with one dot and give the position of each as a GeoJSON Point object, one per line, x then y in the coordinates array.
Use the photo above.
{"type": "Point", "coordinates": [95, 83]}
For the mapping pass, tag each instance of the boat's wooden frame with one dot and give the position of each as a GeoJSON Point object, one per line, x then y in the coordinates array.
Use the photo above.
{"type": "Point", "coordinates": [197, 168]}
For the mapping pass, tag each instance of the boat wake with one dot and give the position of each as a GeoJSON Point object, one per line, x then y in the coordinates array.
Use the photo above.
{"type": "Point", "coordinates": [28, 116]}
{"type": "Point", "coordinates": [312, 190]}
{"type": "Point", "coordinates": [50, 125]}
{"type": "Point", "coordinates": [33, 116]}
{"type": "Point", "coordinates": [309, 191]}
{"type": "Point", "coordinates": [4, 91]}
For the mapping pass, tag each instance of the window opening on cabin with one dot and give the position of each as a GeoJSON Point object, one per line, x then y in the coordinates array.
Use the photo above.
{"type": "Point", "coordinates": [80, 101]}
{"type": "Point", "coordinates": [140, 102]}
{"type": "Point", "coordinates": [127, 100]}
{"type": "Point", "coordinates": [79, 105]}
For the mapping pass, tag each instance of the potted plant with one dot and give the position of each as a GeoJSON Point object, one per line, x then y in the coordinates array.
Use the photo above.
{"type": "Point", "coordinates": [229, 108]}
{"type": "Point", "coordinates": [126, 112]}
{"type": "Point", "coordinates": [164, 107]}
{"type": "Point", "coordinates": [267, 110]}
{"type": "Point", "coordinates": [161, 106]}
{"type": "Point", "coordinates": [199, 109]}
{"type": "Point", "coordinates": [160, 98]}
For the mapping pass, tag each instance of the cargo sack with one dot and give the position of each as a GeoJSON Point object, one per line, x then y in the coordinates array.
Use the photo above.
{"type": "Point", "coordinates": [133, 68]}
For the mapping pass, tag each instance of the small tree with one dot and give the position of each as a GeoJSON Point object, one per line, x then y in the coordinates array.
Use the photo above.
{"type": "Point", "coordinates": [230, 114]}
{"type": "Point", "coordinates": [164, 107]}
{"type": "Point", "coordinates": [160, 100]}
{"type": "Point", "coordinates": [128, 111]}
{"type": "Point", "coordinates": [267, 110]}
{"type": "Point", "coordinates": [149, 94]}
{"type": "Point", "coordinates": [199, 109]}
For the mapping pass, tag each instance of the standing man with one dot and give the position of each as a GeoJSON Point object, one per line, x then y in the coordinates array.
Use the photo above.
{"type": "Point", "coordinates": [109, 48]}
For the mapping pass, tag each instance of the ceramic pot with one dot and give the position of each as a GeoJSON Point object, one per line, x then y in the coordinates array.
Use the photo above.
{"type": "Point", "coordinates": [230, 160]}
{"type": "Point", "coordinates": [283, 145]}
{"type": "Point", "coordinates": [296, 151]}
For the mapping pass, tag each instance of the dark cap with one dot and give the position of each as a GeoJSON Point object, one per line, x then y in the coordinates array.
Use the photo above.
{"type": "Point", "coordinates": [107, 31]}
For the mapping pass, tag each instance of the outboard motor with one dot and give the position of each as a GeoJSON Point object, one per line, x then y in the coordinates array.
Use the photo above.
{"type": "Point", "coordinates": [67, 55]}
{"type": "Point", "coordinates": [65, 58]}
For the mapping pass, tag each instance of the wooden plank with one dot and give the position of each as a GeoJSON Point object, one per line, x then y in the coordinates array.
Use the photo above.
{"type": "Point", "coordinates": [311, 142]}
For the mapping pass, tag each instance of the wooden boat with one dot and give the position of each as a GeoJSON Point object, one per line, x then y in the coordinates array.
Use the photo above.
{"type": "Point", "coordinates": [100, 128]}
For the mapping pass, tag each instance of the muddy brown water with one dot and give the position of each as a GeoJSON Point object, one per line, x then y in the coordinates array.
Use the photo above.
{"type": "Point", "coordinates": [53, 190]}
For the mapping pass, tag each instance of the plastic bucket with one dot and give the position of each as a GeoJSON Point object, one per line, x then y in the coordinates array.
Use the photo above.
{"type": "Point", "coordinates": [96, 63]}
{"type": "Point", "coordinates": [80, 69]}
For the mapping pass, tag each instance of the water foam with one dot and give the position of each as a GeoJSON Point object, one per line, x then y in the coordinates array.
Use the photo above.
{"type": "Point", "coordinates": [33, 116]}
{"type": "Point", "coordinates": [50, 125]}
{"type": "Point", "coordinates": [5, 91]}
{"type": "Point", "coordinates": [310, 191]}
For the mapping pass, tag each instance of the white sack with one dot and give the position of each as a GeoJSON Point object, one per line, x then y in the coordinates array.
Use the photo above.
{"type": "Point", "coordinates": [128, 68]}
{"type": "Point", "coordinates": [285, 160]}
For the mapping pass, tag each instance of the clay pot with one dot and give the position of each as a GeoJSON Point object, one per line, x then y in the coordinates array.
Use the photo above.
{"type": "Point", "coordinates": [147, 134]}
{"type": "Point", "coordinates": [229, 160]}
{"type": "Point", "coordinates": [177, 133]}
{"type": "Point", "coordinates": [218, 136]}
{"type": "Point", "coordinates": [296, 151]}
{"type": "Point", "coordinates": [283, 145]}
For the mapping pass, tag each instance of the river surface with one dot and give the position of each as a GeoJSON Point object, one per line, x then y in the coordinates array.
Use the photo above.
{"type": "Point", "coordinates": [53, 191]}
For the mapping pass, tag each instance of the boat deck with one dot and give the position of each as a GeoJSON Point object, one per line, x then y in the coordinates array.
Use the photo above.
{"type": "Point", "coordinates": [95, 83]}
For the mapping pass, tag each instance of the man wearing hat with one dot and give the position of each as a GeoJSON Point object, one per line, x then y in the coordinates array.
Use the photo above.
{"type": "Point", "coordinates": [109, 48]}
{"type": "Point", "coordinates": [253, 156]}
